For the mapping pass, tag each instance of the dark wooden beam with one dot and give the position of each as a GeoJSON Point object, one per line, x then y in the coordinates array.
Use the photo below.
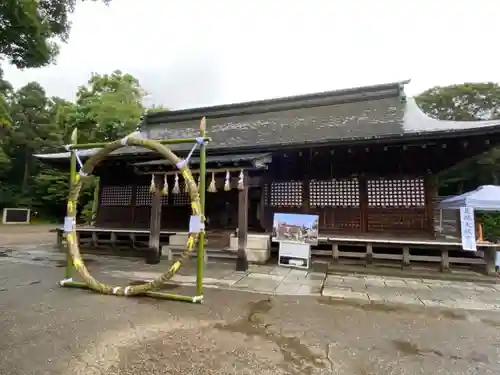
{"type": "Point", "coordinates": [98, 215]}
{"type": "Point", "coordinates": [241, 260]}
{"type": "Point", "coordinates": [133, 203]}
{"type": "Point", "coordinates": [363, 203]}
{"type": "Point", "coordinates": [155, 223]}
{"type": "Point", "coordinates": [430, 194]}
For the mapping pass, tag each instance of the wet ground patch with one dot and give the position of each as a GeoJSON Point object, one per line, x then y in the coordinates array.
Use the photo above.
{"type": "Point", "coordinates": [298, 358]}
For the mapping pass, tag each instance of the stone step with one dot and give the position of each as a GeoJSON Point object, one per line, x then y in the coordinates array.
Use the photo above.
{"type": "Point", "coordinates": [210, 252]}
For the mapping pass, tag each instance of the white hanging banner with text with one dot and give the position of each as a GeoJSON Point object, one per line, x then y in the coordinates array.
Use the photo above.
{"type": "Point", "coordinates": [468, 228]}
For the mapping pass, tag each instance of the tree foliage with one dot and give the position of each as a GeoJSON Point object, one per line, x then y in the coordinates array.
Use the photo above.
{"type": "Point", "coordinates": [107, 107]}
{"type": "Point", "coordinates": [465, 102]}
{"type": "Point", "coordinates": [468, 102]}
{"type": "Point", "coordinates": [28, 29]}
{"type": "Point", "coordinates": [28, 33]}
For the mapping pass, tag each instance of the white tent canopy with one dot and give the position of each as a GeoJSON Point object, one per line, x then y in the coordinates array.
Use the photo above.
{"type": "Point", "coordinates": [484, 198]}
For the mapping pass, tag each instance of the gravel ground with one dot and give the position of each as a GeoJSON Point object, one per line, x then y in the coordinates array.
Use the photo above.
{"type": "Point", "coordinates": [46, 329]}
{"type": "Point", "coordinates": [17, 234]}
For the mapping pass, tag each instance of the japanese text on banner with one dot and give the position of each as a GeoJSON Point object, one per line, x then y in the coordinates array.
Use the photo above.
{"type": "Point", "coordinates": [468, 228]}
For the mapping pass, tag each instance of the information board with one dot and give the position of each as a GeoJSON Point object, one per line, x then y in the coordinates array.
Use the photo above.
{"type": "Point", "coordinates": [16, 216]}
{"type": "Point", "coordinates": [294, 254]}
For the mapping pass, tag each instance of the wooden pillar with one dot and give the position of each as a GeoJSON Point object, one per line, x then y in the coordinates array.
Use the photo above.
{"type": "Point", "coordinates": [265, 183]}
{"type": "Point", "coordinates": [307, 157]}
{"type": "Point", "coordinates": [490, 254]}
{"type": "Point", "coordinates": [241, 260]}
{"type": "Point", "coordinates": [155, 223]}
{"type": "Point", "coordinates": [363, 202]}
{"type": "Point", "coordinates": [430, 188]}
{"type": "Point", "coordinates": [406, 256]}
{"type": "Point", "coordinates": [445, 260]}
{"type": "Point", "coordinates": [133, 205]}
{"type": "Point", "coordinates": [335, 252]}
{"type": "Point", "coordinates": [369, 254]}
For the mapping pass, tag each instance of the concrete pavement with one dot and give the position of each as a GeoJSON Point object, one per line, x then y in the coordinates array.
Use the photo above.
{"type": "Point", "coordinates": [274, 280]}
{"type": "Point", "coordinates": [46, 330]}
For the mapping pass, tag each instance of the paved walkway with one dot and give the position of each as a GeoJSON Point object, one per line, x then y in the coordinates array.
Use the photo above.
{"type": "Point", "coordinates": [274, 280]}
{"type": "Point", "coordinates": [356, 288]}
{"type": "Point", "coordinates": [420, 292]}
{"type": "Point", "coordinates": [262, 279]}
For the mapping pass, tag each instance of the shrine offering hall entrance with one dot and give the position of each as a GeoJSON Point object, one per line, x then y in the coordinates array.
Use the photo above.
{"type": "Point", "coordinates": [222, 210]}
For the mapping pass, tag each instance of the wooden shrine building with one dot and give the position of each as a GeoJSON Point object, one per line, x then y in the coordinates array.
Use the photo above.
{"type": "Point", "coordinates": [363, 159]}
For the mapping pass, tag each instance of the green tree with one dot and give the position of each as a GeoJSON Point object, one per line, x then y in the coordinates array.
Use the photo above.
{"type": "Point", "coordinates": [466, 102]}
{"type": "Point", "coordinates": [156, 108]}
{"type": "Point", "coordinates": [108, 107]}
{"type": "Point", "coordinates": [5, 123]}
{"type": "Point", "coordinates": [28, 29]}
{"type": "Point", "coordinates": [32, 129]}
{"type": "Point", "coordinates": [5, 91]}
{"type": "Point", "coordinates": [62, 114]}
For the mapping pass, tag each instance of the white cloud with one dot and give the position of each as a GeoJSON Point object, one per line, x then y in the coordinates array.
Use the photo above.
{"type": "Point", "coordinates": [199, 52]}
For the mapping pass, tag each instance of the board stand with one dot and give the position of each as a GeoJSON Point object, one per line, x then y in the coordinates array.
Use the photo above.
{"type": "Point", "coordinates": [294, 255]}
{"type": "Point", "coordinates": [16, 215]}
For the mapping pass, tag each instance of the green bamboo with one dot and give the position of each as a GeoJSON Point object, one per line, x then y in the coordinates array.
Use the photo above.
{"type": "Point", "coordinates": [201, 239]}
{"type": "Point", "coordinates": [75, 284]}
{"type": "Point", "coordinates": [152, 294]}
{"type": "Point", "coordinates": [175, 297]}
{"type": "Point", "coordinates": [72, 173]}
{"type": "Point", "coordinates": [171, 141]}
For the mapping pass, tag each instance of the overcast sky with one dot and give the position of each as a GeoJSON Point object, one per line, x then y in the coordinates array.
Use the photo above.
{"type": "Point", "coordinates": [199, 52]}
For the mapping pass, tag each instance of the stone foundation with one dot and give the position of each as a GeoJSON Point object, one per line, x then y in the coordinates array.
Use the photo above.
{"type": "Point", "coordinates": [178, 239]}
{"type": "Point", "coordinates": [258, 248]}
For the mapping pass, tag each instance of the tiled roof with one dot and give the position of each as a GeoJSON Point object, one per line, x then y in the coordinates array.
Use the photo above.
{"type": "Point", "coordinates": [362, 114]}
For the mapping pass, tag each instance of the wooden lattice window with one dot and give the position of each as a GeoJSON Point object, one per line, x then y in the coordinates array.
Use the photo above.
{"type": "Point", "coordinates": [286, 194]}
{"type": "Point", "coordinates": [403, 193]}
{"type": "Point", "coordinates": [144, 197]}
{"type": "Point", "coordinates": [181, 199]}
{"type": "Point", "coordinates": [164, 200]}
{"type": "Point", "coordinates": [334, 193]}
{"type": "Point", "coordinates": [116, 196]}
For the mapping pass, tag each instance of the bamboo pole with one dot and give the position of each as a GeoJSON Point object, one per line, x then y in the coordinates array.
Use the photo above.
{"type": "Point", "coordinates": [201, 188]}
{"type": "Point", "coordinates": [171, 141]}
{"type": "Point", "coordinates": [72, 173]}
{"type": "Point", "coordinates": [153, 294]}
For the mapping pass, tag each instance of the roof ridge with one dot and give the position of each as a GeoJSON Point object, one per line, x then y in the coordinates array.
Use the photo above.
{"type": "Point", "coordinates": [347, 95]}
